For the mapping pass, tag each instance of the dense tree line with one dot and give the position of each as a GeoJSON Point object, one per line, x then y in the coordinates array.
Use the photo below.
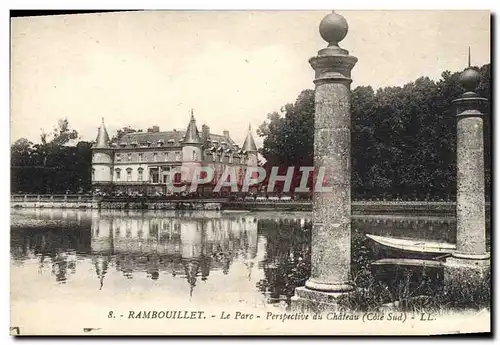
{"type": "Point", "coordinates": [403, 138]}
{"type": "Point", "coordinates": [55, 165]}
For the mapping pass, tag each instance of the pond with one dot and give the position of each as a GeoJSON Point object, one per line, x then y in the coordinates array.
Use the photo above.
{"type": "Point", "coordinates": [204, 259]}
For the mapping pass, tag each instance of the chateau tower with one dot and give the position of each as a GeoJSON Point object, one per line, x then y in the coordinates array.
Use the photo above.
{"type": "Point", "coordinates": [102, 157]}
{"type": "Point", "coordinates": [250, 148]}
{"type": "Point", "coordinates": [191, 149]}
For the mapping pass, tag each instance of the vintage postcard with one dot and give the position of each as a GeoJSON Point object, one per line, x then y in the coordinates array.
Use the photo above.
{"type": "Point", "coordinates": [250, 172]}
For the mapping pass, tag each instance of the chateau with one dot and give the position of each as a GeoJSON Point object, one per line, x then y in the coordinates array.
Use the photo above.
{"type": "Point", "coordinates": [144, 162]}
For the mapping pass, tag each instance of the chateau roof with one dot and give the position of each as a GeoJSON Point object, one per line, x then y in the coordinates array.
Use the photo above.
{"type": "Point", "coordinates": [102, 140]}
{"type": "Point", "coordinates": [192, 135]}
{"type": "Point", "coordinates": [249, 144]}
{"type": "Point", "coordinates": [176, 138]}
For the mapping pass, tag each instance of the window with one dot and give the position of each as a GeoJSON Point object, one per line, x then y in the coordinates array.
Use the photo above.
{"type": "Point", "coordinates": [140, 174]}
{"type": "Point", "coordinates": [118, 174]}
{"type": "Point", "coordinates": [140, 157]}
{"type": "Point", "coordinates": [155, 157]}
{"type": "Point", "coordinates": [154, 175]}
{"type": "Point", "coordinates": [118, 157]}
{"type": "Point", "coordinates": [165, 174]}
{"type": "Point", "coordinates": [129, 157]}
{"type": "Point", "coordinates": [129, 174]}
{"type": "Point", "coordinates": [231, 158]}
{"type": "Point", "coordinates": [177, 177]}
{"type": "Point", "coordinates": [178, 156]}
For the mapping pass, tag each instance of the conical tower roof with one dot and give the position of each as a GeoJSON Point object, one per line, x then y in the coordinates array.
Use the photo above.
{"type": "Point", "coordinates": [102, 140]}
{"type": "Point", "coordinates": [249, 144]}
{"type": "Point", "coordinates": [192, 134]}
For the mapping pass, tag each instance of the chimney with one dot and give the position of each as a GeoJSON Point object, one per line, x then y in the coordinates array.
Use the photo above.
{"type": "Point", "coordinates": [226, 134]}
{"type": "Point", "coordinates": [154, 129]}
{"type": "Point", "coordinates": [205, 133]}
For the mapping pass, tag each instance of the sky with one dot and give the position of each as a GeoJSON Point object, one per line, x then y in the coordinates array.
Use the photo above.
{"type": "Point", "coordinates": [232, 68]}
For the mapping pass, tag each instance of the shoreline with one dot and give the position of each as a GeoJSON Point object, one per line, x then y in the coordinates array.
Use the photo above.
{"type": "Point", "coordinates": [429, 208]}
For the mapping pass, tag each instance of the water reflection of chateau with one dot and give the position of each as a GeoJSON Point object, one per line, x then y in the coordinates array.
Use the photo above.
{"type": "Point", "coordinates": [189, 247]}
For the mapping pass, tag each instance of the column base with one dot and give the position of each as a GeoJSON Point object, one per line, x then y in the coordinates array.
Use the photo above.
{"type": "Point", "coordinates": [467, 277]}
{"type": "Point", "coordinates": [307, 300]}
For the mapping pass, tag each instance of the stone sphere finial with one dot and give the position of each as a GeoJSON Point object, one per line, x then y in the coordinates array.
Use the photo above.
{"type": "Point", "coordinates": [333, 28]}
{"type": "Point", "coordinates": [469, 79]}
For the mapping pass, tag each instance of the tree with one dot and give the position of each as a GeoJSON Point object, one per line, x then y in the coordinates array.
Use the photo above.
{"type": "Point", "coordinates": [403, 139]}
{"type": "Point", "coordinates": [62, 134]}
{"type": "Point", "coordinates": [52, 166]}
{"type": "Point", "coordinates": [121, 132]}
{"type": "Point", "coordinates": [21, 151]}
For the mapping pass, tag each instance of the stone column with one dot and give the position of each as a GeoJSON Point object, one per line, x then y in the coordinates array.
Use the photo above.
{"type": "Point", "coordinates": [469, 265]}
{"type": "Point", "coordinates": [471, 233]}
{"type": "Point", "coordinates": [331, 233]}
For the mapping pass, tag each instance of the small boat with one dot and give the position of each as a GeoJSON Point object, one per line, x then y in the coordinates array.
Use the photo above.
{"type": "Point", "coordinates": [408, 262]}
{"type": "Point", "coordinates": [416, 246]}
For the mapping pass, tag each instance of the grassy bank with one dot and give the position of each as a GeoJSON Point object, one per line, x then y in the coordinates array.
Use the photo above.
{"type": "Point", "coordinates": [288, 266]}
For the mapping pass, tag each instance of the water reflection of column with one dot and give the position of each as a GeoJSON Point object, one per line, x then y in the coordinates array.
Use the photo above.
{"type": "Point", "coordinates": [191, 248]}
